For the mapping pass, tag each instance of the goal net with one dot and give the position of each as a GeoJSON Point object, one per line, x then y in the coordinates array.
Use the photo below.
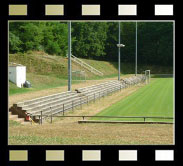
{"type": "Point", "coordinates": [79, 75]}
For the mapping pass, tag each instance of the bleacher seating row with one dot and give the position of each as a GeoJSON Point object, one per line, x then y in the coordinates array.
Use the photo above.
{"type": "Point", "coordinates": [61, 102]}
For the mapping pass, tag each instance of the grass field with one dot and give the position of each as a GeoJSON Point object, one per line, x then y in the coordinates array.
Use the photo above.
{"type": "Point", "coordinates": [154, 99]}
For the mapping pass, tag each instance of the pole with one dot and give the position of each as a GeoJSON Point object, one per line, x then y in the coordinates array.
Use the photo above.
{"type": "Point", "coordinates": [41, 117]}
{"type": "Point", "coordinates": [69, 56]}
{"type": "Point", "coordinates": [136, 53]}
{"type": "Point", "coordinates": [51, 118]}
{"type": "Point", "coordinates": [119, 56]}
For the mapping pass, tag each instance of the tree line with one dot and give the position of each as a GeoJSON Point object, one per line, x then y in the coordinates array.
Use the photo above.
{"type": "Point", "coordinates": [96, 40]}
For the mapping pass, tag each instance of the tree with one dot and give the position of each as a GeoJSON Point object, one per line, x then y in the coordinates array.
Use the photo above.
{"type": "Point", "coordinates": [96, 40]}
{"type": "Point", "coordinates": [14, 43]}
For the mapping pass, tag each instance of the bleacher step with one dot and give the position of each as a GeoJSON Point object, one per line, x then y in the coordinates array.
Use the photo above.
{"type": "Point", "coordinates": [57, 103]}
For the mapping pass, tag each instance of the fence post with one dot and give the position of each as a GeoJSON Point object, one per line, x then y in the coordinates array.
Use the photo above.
{"type": "Point", "coordinates": [72, 105]}
{"type": "Point", "coordinates": [39, 120]}
{"type": "Point", "coordinates": [80, 103]}
{"type": "Point", "coordinates": [120, 87]}
{"type": "Point", "coordinates": [63, 109]}
{"type": "Point", "coordinates": [51, 118]}
{"type": "Point", "coordinates": [31, 119]}
{"type": "Point", "coordinates": [51, 115]}
{"type": "Point", "coordinates": [144, 119]}
{"type": "Point", "coordinates": [41, 117]}
{"type": "Point", "coordinates": [87, 100]}
{"type": "Point", "coordinates": [94, 97]}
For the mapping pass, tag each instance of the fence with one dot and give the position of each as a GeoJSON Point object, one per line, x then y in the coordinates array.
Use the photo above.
{"type": "Point", "coordinates": [78, 75]}
{"type": "Point", "coordinates": [85, 95]}
{"type": "Point", "coordinates": [112, 117]}
{"type": "Point", "coordinates": [71, 104]}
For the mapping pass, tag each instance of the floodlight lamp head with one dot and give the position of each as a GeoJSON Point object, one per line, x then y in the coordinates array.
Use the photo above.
{"type": "Point", "coordinates": [120, 45]}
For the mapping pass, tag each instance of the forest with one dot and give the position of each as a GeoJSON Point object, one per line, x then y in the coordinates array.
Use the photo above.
{"type": "Point", "coordinates": [96, 40]}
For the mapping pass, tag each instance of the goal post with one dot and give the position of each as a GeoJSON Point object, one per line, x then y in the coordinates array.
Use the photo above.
{"type": "Point", "coordinates": [79, 75]}
{"type": "Point", "coordinates": [148, 76]}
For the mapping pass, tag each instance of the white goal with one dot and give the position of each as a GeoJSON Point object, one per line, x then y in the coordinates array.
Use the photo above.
{"type": "Point", "coordinates": [148, 76]}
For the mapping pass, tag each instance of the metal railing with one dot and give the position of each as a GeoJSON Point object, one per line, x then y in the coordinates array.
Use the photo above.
{"type": "Point", "coordinates": [110, 117]}
{"type": "Point", "coordinates": [85, 65]}
{"type": "Point", "coordinates": [73, 103]}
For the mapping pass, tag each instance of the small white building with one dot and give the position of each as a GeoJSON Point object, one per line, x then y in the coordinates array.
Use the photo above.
{"type": "Point", "coordinates": [17, 74]}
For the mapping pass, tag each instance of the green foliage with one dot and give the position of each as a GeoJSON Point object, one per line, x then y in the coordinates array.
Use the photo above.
{"type": "Point", "coordinates": [90, 39]}
{"type": "Point", "coordinates": [14, 43]}
{"type": "Point", "coordinates": [13, 123]}
{"type": "Point", "coordinates": [52, 48]}
{"type": "Point", "coordinates": [96, 40]}
{"type": "Point", "coordinates": [55, 38]}
{"type": "Point", "coordinates": [155, 43]}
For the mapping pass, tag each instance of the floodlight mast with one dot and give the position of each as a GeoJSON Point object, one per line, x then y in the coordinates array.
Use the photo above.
{"type": "Point", "coordinates": [119, 54]}
{"type": "Point", "coordinates": [136, 53]}
{"type": "Point", "coordinates": [119, 58]}
{"type": "Point", "coordinates": [69, 57]}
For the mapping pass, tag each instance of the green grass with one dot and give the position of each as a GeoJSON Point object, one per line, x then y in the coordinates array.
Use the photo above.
{"type": "Point", "coordinates": [39, 82]}
{"type": "Point", "coordinates": [13, 123]}
{"type": "Point", "coordinates": [154, 99]}
{"type": "Point", "coordinates": [32, 140]}
{"type": "Point", "coordinates": [47, 71]}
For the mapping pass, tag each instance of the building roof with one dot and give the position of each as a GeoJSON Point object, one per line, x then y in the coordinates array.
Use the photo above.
{"type": "Point", "coordinates": [11, 64]}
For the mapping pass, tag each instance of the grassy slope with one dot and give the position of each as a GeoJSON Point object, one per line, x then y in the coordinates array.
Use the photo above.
{"type": "Point", "coordinates": [38, 82]}
{"type": "Point", "coordinates": [155, 99]}
{"type": "Point", "coordinates": [109, 68]}
{"type": "Point", "coordinates": [47, 71]}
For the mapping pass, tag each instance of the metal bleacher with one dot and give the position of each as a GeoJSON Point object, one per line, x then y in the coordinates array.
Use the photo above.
{"type": "Point", "coordinates": [65, 101]}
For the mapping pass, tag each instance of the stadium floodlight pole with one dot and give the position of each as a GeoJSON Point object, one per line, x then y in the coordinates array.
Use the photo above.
{"type": "Point", "coordinates": [69, 57]}
{"type": "Point", "coordinates": [119, 54]}
{"type": "Point", "coordinates": [136, 53]}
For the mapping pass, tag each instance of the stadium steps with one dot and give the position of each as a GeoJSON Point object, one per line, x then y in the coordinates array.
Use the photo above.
{"type": "Point", "coordinates": [15, 118]}
{"type": "Point", "coordinates": [34, 101]}
{"type": "Point", "coordinates": [27, 108]}
{"type": "Point", "coordinates": [86, 66]}
{"type": "Point", "coordinates": [65, 101]}
{"type": "Point", "coordinates": [47, 104]}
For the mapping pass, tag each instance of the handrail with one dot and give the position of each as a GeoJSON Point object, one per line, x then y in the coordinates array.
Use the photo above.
{"type": "Point", "coordinates": [86, 64]}
{"type": "Point", "coordinates": [90, 116]}
{"type": "Point", "coordinates": [89, 67]}
{"type": "Point", "coordinates": [95, 116]}
{"type": "Point", "coordinates": [78, 101]}
{"type": "Point", "coordinates": [68, 102]}
{"type": "Point", "coordinates": [87, 97]}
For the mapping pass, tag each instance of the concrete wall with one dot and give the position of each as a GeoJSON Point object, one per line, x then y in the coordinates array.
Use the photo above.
{"type": "Point", "coordinates": [17, 75]}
